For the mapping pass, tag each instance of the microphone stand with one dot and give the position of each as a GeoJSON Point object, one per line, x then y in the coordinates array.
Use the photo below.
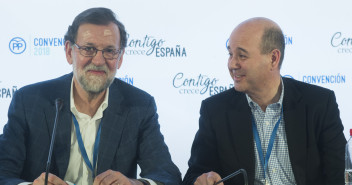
{"type": "Point", "coordinates": [58, 106]}
{"type": "Point", "coordinates": [243, 171]}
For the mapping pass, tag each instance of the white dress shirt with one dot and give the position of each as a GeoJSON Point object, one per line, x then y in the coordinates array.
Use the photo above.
{"type": "Point", "coordinates": [77, 170]}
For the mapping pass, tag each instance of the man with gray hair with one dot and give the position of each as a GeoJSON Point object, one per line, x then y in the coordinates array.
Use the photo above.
{"type": "Point", "coordinates": [106, 127]}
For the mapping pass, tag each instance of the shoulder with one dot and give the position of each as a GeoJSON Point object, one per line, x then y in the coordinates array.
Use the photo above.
{"type": "Point", "coordinates": [224, 100]}
{"type": "Point", "coordinates": [48, 85]}
{"type": "Point", "coordinates": [221, 97]}
{"type": "Point", "coordinates": [48, 88]}
{"type": "Point", "coordinates": [305, 87]}
{"type": "Point", "coordinates": [129, 92]}
{"type": "Point", "coordinates": [42, 94]}
{"type": "Point", "coordinates": [309, 93]}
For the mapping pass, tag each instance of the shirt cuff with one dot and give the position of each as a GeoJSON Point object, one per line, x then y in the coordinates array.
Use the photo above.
{"type": "Point", "coordinates": [151, 182]}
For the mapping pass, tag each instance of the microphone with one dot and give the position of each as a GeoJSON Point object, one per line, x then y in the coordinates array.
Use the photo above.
{"type": "Point", "coordinates": [243, 171]}
{"type": "Point", "coordinates": [58, 106]}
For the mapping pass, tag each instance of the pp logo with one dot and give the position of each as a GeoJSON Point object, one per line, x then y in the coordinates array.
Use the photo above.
{"type": "Point", "coordinates": [17, 45]}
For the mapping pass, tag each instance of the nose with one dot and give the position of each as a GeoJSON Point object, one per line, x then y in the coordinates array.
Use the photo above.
{"type": "Point", "coordinates": [233, 62]}
{"type": "Point", "coordinates": [98, 59]}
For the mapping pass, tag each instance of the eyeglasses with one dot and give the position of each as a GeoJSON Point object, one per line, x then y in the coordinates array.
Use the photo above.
{"type": "Point", "coordinates": [89, 51]}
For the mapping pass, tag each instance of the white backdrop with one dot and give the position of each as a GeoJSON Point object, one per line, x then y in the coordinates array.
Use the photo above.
{"type": "Point", "coordinates": [172, 42]}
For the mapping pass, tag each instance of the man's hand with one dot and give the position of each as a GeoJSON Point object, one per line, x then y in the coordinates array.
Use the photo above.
{"type": "Point", "coordinates": [209, 178]}
{"type": "Point", "coordinates": [52, 180]}
{"type": "Point", "coordinates": [110, 177]}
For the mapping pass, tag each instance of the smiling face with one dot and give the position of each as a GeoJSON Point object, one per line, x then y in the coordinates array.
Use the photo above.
{"type": "Point", "coordinates": [94, 74]}
{"type": "Point", "coordinates": [249, 69]}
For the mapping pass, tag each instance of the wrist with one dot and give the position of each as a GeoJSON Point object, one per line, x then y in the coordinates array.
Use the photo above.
{"type": "Point", "coordinates": [144, 182]}
{"type": "Point", "coordinates": [136, 182]}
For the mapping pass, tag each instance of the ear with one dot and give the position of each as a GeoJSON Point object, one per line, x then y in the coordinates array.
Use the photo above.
{"type": "Point", "coordinates": [68, 51]}
{"type": "Point", "coordinates": [120, 59]}
{"type": "Point", "coordinates": [275, 58]}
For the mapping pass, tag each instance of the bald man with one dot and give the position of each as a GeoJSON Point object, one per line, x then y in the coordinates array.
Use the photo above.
{"type": "Point", "coordinates": [281, 131]}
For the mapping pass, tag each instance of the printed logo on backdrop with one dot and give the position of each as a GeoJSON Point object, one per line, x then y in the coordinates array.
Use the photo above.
{"type": "Point", "coordinates": [322, 79]}
{"type": "Point", "coordinates": [288, 40]}
{"type": "Point", "coordinates": [17, 45]}
{"type": "Point", "coordinates": [152, 46]}
{"type": "Point", "coordinates": [7, 92]}
{"type": "Point", "coordinates": [44, 46]}
{"type": "Point", "coordinates": [38, 46]}
{"type": "Point", "coordinates": [198, 84]}
{"type": "Point", "coordinates": [342, 43]}
{"type": "Point", "coordinates": [127, 79]}
{"type": "Point", "coordinates": [325, 79]}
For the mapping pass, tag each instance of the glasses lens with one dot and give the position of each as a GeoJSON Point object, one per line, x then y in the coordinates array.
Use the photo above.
{"type": "Point", "coordinates": [111, 54]}
{"type": "Point", "coordinates": [92, 51]}
{"type": "Point", "coordinates": [88, 51]}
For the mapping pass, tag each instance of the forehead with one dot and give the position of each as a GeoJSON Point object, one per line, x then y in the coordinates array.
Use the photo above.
{"type": "Point", "coordinates": [98, 33]}
{"type": "Point", "coordinates": [245, 37]}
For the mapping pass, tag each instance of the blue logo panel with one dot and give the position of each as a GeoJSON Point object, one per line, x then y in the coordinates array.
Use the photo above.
{"type": "Point", "coordinates": [17, 45]}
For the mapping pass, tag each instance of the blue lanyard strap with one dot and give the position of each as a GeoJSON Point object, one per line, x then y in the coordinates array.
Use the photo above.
{"type": "Point", "coordinates": [83, 149]}
{"type": "Point", "coordinates": [271, 142]}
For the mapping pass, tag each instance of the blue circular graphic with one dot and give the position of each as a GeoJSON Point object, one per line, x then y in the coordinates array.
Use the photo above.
{"type": "Point", "coordinates": [17, 45]}
{"type": "Point", "coordinates": [227, 43]}
{"type": "Point", "coordinates": [288, 76]}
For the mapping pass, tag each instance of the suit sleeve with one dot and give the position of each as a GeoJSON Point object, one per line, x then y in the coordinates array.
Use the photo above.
{"type": "Point", "coordinates": [12, 143]}
{"type": "Point", "coordinates": [332, 144]}
{"type": "Point", "coordinates": [204, 157]}
{"type": "Point", "coordinates": [154, 157]}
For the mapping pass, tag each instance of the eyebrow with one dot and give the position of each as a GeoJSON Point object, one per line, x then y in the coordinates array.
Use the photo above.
{"type": "Point", "coordinates": [238, 49]}
{"type": "Point", "coordinates": [88, 44]}
{"type": "Point", "coordinates": [243, 50]}
{"type": "Point", "coordinates": [93, 45]}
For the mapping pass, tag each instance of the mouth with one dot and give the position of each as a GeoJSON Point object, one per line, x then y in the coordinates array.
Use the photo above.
{"type": "Point", "coordinates": [237, 76]}
{"type": "Point", "coordinates": [96, 72]}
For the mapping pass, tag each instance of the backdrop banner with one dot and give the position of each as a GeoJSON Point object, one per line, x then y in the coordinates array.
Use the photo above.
{"type": "Point", "coordinates": [176, 51]}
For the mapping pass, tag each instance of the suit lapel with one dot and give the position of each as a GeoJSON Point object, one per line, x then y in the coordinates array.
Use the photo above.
{"type": "Point", "coordinates": [239, 117]}
{"type": "Point", "coordinates": [295, 126]}
{"type": "Point", "coordinates": [63, 141]}
{"type": "Point", "coordinates": [113, 121]}
{"type": "Point", "coordinates": [61, 150]}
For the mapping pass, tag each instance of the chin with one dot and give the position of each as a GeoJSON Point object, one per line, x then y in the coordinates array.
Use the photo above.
{"type": "Point", "coordinates": [239, 88]}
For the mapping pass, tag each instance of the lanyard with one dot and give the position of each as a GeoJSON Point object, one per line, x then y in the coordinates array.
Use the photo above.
{"type": "Point", "coordinates": [83, 150]}
{"type": "Point", "coordinates": [271, 142]}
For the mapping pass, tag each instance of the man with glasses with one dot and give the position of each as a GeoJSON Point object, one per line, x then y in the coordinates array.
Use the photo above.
{"type": "Point", "coordinates": [106, 127]}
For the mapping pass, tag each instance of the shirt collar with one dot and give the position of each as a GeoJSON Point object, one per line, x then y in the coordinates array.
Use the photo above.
{"type": "Point", "coordinates": [253, 104]}
{"type": "Point", "coordinates": [101, 108]}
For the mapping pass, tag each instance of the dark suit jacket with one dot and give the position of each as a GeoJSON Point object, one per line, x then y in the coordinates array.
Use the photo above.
{"type": "Point", "coordinates": [130, 134]}
{"type": "Point", "coordinates": [316, 143]}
